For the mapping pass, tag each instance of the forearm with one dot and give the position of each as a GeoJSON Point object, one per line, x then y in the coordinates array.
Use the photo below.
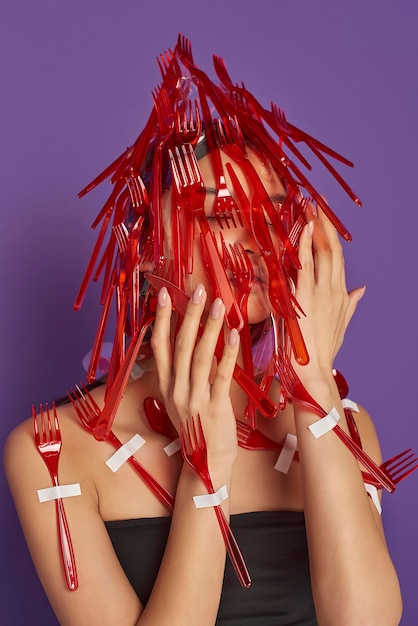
{"type": "Point", "coordinates": [353, 578]}
{"type": "Point", "coordinates": [189, 582]}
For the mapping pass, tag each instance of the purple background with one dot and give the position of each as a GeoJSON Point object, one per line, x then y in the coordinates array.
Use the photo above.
{"type": "Point", "coordinates": [76, 79]}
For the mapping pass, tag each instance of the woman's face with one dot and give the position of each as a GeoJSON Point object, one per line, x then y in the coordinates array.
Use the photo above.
{"type": "Point", "coordinates": [236, 235]}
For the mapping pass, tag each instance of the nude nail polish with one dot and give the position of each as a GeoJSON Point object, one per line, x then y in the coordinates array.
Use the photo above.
{"type": "Point", "coordinates": [216, 309]}
{"type": "Point", "coordinates": [233, 337]}
{"type": "Point", "coordinates": [198, 294]}
{"type": "Point", "coordinates": [162, 297]}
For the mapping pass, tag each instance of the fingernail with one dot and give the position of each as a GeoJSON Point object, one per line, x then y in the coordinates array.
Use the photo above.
{"type": "Point", "coordinates": [216, 308]}
{"type": "Point", "coordinates": [198, 294]}
{"type": "Point", "coordinates": [233, 337]}
{"type": "Point", "coordinates": [162, 297]}
{"type": "Point", "coordinates": [314, 210]}
{"type": "Point", "coordinates": [310, 228]}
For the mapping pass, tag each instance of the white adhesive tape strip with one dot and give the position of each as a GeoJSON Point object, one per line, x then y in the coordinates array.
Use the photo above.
{"type": "Point", "coordinates": [59, 491]}
{"type": "Point", "coordinates": [372, 491]}
{"type": "Point", "coordinates": [136, 371]}
{"type": "Point", "coordinates": [172, 447]}
{"type": "Point", "coordinates": [123, 453]}
{"type": "Point", "coordinates": [325, 424]}
{"type": "Point", "coordinates": [286, 455]}
{"type": "Point", "coordinates": [349, 404]}
{"type": "Point", "coordinates": [211, 499]}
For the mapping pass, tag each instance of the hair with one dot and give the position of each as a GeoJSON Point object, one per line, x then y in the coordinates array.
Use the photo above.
{"type": "Point", "coordinates": [193, 114]}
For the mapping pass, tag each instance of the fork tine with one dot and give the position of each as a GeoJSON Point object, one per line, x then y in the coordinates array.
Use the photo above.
{"type": "Point", "coordinates": [137, 190]}
{"type": "Point", "coordinates": [35, 425]}
{"type": "Point", "coordinates": [402, 464]}
{"type": "Point", "coordinates": [397, 457]}
{"type": "Point", "coordinates": [56, 422]}
{"type": "Point", "coordinates": [200, 437]}
{"type": "Point", "coordinates": [76, 400]}
{"type": "Point", "coordinates": [406, 467]}
{"type": "Point", "coordinates": [164, 109]}
{"type": "Point", "coordinates": [185, 49]}
{"type": "Point", "coordinates": [121, 235]}
{"type": "Point", "coordinates": [167, 64]}
{"type": "Point", "coordinates": [398, 478]}
{"type": "Point", "coordinates": [90, 401]}
{"type": "Point", "coordinates": [47, 433]}
{"type": "Point", "coordinates": [187, 122]}
{"type": "Point", "coordinates": [185, 440]}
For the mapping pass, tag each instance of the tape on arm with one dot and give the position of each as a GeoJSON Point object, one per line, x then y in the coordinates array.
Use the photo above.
{"type": "Point", "coordinates": [325, 424]}
{"type": "Point", "coordinates": [211, 499]}
{"type": "Point", "coordinates": [59, 491]}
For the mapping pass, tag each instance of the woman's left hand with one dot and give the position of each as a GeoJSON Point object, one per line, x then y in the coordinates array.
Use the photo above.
{"type": "Point", "coordinates": [322, 294]}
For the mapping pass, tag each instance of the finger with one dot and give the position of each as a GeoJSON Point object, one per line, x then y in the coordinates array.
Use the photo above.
{"type": "Point", "coordinates": [335, 245]}
{"type": "Point", "coordinates": [224, 372]}
{"type": "Point", "coordinates": [328, 227]}
{"type": "Point", "coordinates": [185, 343]}
{"type": "Point", "coordinates": [160, 340]}
{"type": "Point", "coordinates": [306, 273]}
{"type": "Point", "coordinates": [354, 298]}
{"type": "Point", "coordinates": [204, 352]}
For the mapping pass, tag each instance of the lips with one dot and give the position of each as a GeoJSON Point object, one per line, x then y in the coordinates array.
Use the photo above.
{"type": "Point", "coordinates": [260, 274]}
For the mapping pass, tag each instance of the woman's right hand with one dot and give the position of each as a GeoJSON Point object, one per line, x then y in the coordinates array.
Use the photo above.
{"type": "Point", "coordinates": [191, 382]}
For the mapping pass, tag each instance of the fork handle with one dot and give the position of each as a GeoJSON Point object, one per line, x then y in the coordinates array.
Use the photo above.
{"type": "Point", "coordinates": [233, 549]}
{"type": "Point", "coordinates": [156, 487]}
{"type": "Point", "coordinates": [364, 458]}
{"type": "Point", "coordinates": [67, 552]}
{"type": "Point", "coordinates": [105, 421]}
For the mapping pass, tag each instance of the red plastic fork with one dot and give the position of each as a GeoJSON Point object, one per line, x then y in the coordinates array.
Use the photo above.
{"type": "Point", "coordinates": [281, 299]}
{"type": "Point", "coordinates": [296, 391]}
{"type": "Point", "coordinates": [193, 446]}
{"type": "Point", "coordinates": [89, 412]}
{"type": "Point", "coordinates": [243, 275]}
{"type": "Point", "coordinates": [253, 439]}
{"type": "Point", "coordinates": [187, 123]}
{"type": "Point", "coordinates": [165, 125]}
{"type": "Point", "coordinates": [191, 189]}
{"type": "Point", "coordinates": [48, 442]}
{"type": "Point", "coordinates": [116, 390]}
{"type": "Point", "coordinates": [397, 468]}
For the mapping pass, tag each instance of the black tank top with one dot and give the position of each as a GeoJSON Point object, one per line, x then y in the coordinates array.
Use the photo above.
{"type": "Point", "coordinates": [275, 550]}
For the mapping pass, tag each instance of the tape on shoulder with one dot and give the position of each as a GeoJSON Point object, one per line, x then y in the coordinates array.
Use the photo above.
{"type": "Point", "coordinates": [286, 454]}
{"type": "Point", "coordinates": [172, 447]}
{"type": "Point", "coordinates": [349, 404]}
{"type": "Point", "coordinates": [123, 453]}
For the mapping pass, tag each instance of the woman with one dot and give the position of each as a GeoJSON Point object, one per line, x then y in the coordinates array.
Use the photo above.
{"type": "Point", "coordinates": [208, 204]}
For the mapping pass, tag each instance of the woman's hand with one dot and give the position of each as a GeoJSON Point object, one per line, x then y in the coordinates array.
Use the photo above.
{"type": "Point", "coordinates": [322, 294]}
{"type": "Point", "coordinates": [190, 380]}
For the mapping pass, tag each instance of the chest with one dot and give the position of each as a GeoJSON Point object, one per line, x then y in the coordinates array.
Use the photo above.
{"type": "Point", "coordinates": [256, 484]}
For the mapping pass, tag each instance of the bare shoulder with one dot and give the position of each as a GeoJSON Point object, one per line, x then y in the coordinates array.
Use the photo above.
{"type": "Point", "coordinates": [20, 454]}
{"type": "Point", "coordinates": [23, 464]}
